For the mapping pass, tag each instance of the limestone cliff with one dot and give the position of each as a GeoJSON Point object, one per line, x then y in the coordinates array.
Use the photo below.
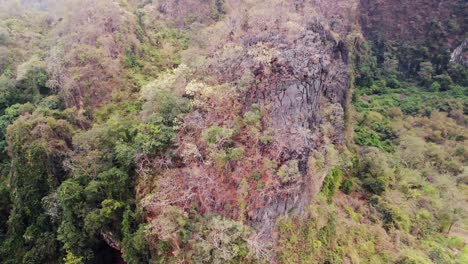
{"type": "Point", "coordinates": [285, 66]}
{"type": "Point", "coordinates": [272, 82]}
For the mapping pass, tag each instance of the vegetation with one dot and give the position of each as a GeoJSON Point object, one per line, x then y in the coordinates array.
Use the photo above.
{"type": "Point", "coordinates": [227, 131]}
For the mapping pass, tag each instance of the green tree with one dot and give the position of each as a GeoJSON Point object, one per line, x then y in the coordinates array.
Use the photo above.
{"type": "Point", "coordinates": [36, 144]}
{"type": "Point", "coordinates": [426, 70]}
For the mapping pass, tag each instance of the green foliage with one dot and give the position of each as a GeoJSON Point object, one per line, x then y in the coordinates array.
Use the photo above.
{"type": "Point", "coordinates": [220, 240]}
{"type": "Point", "coordinates": [99, 198]}
{"type": "Point", "coordinates": [323, 236]}
{"type": "Point", "coordinates": [117, 184]}
{"type": "Point", "coordinates": [15, 96]}
{"type": "Point", "coordinates": [36, 144]}
{"type": "Point", "coordinates": [10, 114]}
{"type": "Point", "coordinates": [375, 172]}
{"type": "Point", "coordinates": [109, 208]}
{"type": "Point", "coordinates": [375, 185]}
{"type": "Point", "coordinates": [424, 224]}
{"type": "Point", "coordinates": [72, 259]}
{"type": "Point", "coordinates": [131, 61]}
{"type": "Point", "coordinates": [202, 239]}
{"type": "Point", "coordinates": [391, 215]}
{"type": "Point", "coordinates": [70, 193]}
{"type": "Point", "coordinates": [162, 104]}
{"type": "Point", "coordinates": [332, 183]}
{"type": "Point", "coordinates": [444, 81]}
{"type": "Point", "coordinates": [223, 158]}
{"type": "Point", "coordinates": [426, 70]}
{"type": "Point", "coordinates": [5, 207]}
{"type": "Point", "coordinates": [347, 186]}
{"type": "Point", "coordinates": [458, 73]}
{"type": "Point", "coordinates": [294, 247]}
{"type": "Point", "coordinates": [213, 134]}
{"type": "Point", "coordinates": [253, 118]}
{"type": "Point", "coordinates": [374, 131]}
{"type": "Point", "coordinates": [4, 36]}
{"type": "Point", "coordinates": [72, 178]}
{"type": "Point", "coordinates": [136, 249]}
{"type": "Point", "coordinates": [235, 153]}
{"type": "Point", "coordinates": [411, 257]}
{"type": "Point", "coordinates": [289, 172]}
{"type": "Point", "coordinates": [366, 67]}
{"type": "Point", "coordinates": [153, 138]}
{"type": "Point", "coordinates": [256, 175]}
{"type": "Point", "coordinates": [367, 137]}
{"type": "Point", "coordinates": [437, 254]}
{"type": "Point", "coordinates": [435, 87]}
{"type": "Point", "coordinates": [463, 256]}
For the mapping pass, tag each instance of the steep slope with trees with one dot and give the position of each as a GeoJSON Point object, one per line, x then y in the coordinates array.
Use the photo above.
{"type": "Point", "coordinates": [233, 131]}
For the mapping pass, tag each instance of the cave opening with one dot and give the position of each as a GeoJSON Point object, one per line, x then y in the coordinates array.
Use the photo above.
{"type": "Point", "coordinates": [105, 254]}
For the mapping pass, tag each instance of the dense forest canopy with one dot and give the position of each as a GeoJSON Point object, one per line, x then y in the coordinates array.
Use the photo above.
{"type": "Point", "coordinates": [233, 131]}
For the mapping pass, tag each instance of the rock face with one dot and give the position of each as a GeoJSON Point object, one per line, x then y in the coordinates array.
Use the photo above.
{"type": "Point", "coordinates": [409, 20]}
{"type": "Point", "coordinates": [303, 74]}
{"type": "Point", "coordinates": [270, 86]}
{"type": "Point", "coordinates": [309, 74]}
{"type": "Point", "coordinates": [284, 63]}
{"type": "Point", "coordinates": [460, 54]}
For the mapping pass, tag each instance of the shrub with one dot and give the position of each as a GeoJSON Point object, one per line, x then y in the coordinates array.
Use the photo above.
{"type": "Point", "coordinates": [391, 216]}
{"type": "Point", "coordinates": [223, 158]}
{"type": "Point", "coordinates": [235, 153]}
{"type": "Point", "coordinates": [393, 82]}
{"type": "Point", "coordinates": [463, 257]}
{"type": "Point", "coordinates": [32, 77]}
{"type": "Point", "coordinates": [332, 183]}
{"type": "Point", "coordinates": [256, 176]}
{"type": "Point", "coordinates": [438, 255]}
{"type": "Point", "coordinates": [218, 9]}
{"type": "Point", "coordinates": [289, 171]}
{"type": "Point", "coordinates": [131, 61]}
{"type": "Point", "coordinates": [70, 193]}
{"type": "Point", "coordinates": [367, 137]}
{"type": "Point", "coordinates": [435, 87]}
{"type": "Point", "coordinates": [154, 138]}
{"type": "Point", "coordinates": [348, 186]}
{"type": "Point", "coordinates": [411, 257]}
{"type": "Point", "coordinates": [411, 105]}
{"type": "Point", "coordinates": [444, 81]}
{"type": "Point", "coordinates": [134, 244]}
{"type": "Point", "coordinates": [426, 70]}
{"type": "Point", "coordinates": [214, 134]}
{"type": "Point", "coordinates": [375, 185]}
{"type": "Point", "coordinates": [412, 151]}
{"type": "Point", "coordinates": [380, 136]}
{"type": "Point", "coordinates": [220, 240]}
{"type": "Point", "coordinates": [375, 172]}
{"type": "Point", "coordinates": [109, 207]}
{"type": "Point", "coordinates": [253, 118]}
{"type": "Point", "coordinates": [456, 242]}
{"type": "Point", "coordinates": [169, 226]}
{"type": "Point", "coordinates": [72, 259]}
{"type": "Point", "coordinates": [424, 224]}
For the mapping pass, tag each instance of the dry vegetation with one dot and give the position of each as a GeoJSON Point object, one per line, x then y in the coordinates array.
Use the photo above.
{"type": "Point", "coordinates": [232, 131]}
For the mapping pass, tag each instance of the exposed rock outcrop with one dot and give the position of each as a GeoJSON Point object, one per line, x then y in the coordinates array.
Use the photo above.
{"type": "Point", "coordinates": [460, 54]}
{"type": "Point", "coordinates": [290, 69]}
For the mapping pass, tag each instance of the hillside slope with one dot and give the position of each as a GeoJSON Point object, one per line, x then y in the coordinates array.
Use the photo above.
{"type": "Point", "coordinates": [233, 131]}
